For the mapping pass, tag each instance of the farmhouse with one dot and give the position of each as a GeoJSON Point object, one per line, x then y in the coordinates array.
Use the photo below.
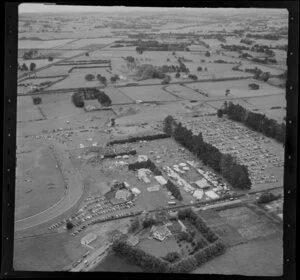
{"type": "Point", "coordinates": [160, 232]}
{"type": "Point", "coordinates": [89, 238]}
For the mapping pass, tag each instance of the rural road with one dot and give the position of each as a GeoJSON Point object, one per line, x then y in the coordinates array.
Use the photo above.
{"type": "Point", "coordinates": [74, 192]}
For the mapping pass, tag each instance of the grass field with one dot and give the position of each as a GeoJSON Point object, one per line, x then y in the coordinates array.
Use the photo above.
{"type": "Point", "coordinates": [88, 43]}
{"type": "Point", "coordinates": [117, 96]}
{"type": "Point", "coordinates": [37, 44]}
{"type": "Point", "coordinates": [45, 185]}
{"type": "Point", "coordinates": [148, 93]}
{"type": "Point", "coordinates": [255, 258]}
{"type": "Point", "coordinates": [248, 223]}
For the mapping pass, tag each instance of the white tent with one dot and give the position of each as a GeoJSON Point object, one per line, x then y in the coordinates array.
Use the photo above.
{"type": "Point", "coordinates": [161, 180]}
{"type": "Point", "coordinates": [211, 194]}
{"type": "Point", "coordinates": [135, 191]}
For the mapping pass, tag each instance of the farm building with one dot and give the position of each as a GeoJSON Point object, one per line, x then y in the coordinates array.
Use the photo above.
{"type": "Point", "coordinates": [161, 180]}
{"type": "Point", "coordinates": [135, 191]}
{"type": "Point", "coordinates": [122, 194]}
{"type": "Point", "coordinates": [198, 194]}
{"type": "Point", "coordinates": [89, 238]}
{"type": "Point", "coordinates": [160, 232]}
{"type": "Point", "coordinates": [134, 240]}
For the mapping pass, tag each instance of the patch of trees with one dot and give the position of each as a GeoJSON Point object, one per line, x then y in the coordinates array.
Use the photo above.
{"type": "Point", "coordinates": [204, 44]}
{"type": "Point", "coordinates": [269, 36]}
{"type": "Point", "coordinates": [130, 59]}
{"type": "Point", "coordinates": [235, 173]}
{"type": "Point", "coordinates": [262, 49]}
{"type": "Point", "coordinates": [256, 121]}
{"type": "Point", "coordinates": [30, 54]}
{"type": "Point", "coordinates": [166, 80]}
{"type": "Point", "coordinates": [247, 41]}
{"type": "Point", "coordinates": [193, 77]}
{"type": "Point", "coordinates": [90, 93]}
{"type": "Point", "coordinates": [199, 69]}
{"type": "Point", "coordinates": [172, 257]}
{"type": "Point", "coordinates": [267, 197]}
{"type": "Point", "coordinates": [253, 86]}
{"type": "Point", "coordinates": [171, 187]}
{"type": "Point", "coordinates": [139, 138]}
{"type": "Point", "coordinates": [147, 165]}
{"type": "Point", "coordinates": [69, 225]}
{"type": "Point", "coordinates": [37, 100]}
{"type": "Point", "coordinates": [102, 79]}
{"type": "Point", "coordinates": [148, 222]}
{"type": "Point", "coordinates": [114, 78]}
{"type": "Point", "coordinates": [207, 54]}
{"type": "Point", "coordinates": [50, 58]}
{"type": "Point", "coordinates": [117, 46]}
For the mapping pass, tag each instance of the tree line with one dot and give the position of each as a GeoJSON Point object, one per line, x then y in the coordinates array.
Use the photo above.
{"type": "Point", "coordinates": [138, 138]}
{"type": "Point", "coordinates": [256, 121]}
{"type": "Point", "coordinates": [171, 187]}
{"type": "Point", "coordinates": [236, 174]}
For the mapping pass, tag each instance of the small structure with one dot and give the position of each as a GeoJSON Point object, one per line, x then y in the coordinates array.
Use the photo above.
{"type": "Point", "coordinates": [122, 194]}
{"type": "Point", "coordinates": [135, 191]}
{"type": "Point", "coordinates": [89, 238]}
{"type": "Point", "coordinates": [142, 158]}
{"type": "Point", "coordinates": [161, 180]}
{"type": "Point", "coordinates": [133, 240]}
{"type": "Point", "coordinates": [160, 232]}
{"type": "Point", "coordinates": [183, 227]}
{"type": "Point", "coordinates": [211, 194]}
{"type": "Point", "coordinates": [202, 184]}
{"type": "Point", "coordinates": [153, 189]}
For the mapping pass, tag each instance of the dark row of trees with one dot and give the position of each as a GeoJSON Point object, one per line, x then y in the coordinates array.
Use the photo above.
{"type": "Point", "coordinates": [24, 67]}
{"type": "Point", "coordinates": [139, 138]}
{"type": "Point", "coordinates": [267, 197]}
{"type": "Point", "coordinates": [226, 165]}
{"type": "Point", "coordinates": [256, 121]}
{"type": "Point", "coordinates": [272, 36]}
{"type": "Point", "coordinates": [171, 187]}
{"type": "Point", "coordinates": [145, 164]}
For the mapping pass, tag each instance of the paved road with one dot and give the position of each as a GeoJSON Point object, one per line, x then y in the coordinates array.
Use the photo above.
{"type": "Point", "coordinates": [72, 196]}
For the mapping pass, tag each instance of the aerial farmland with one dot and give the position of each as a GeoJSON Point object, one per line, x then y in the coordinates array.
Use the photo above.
{"type": "Point", "coordinates": [151, 135]}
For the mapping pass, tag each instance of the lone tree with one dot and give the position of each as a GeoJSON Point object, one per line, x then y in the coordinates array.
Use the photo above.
{"type": "Point", "coordinates": [32, 66]}
{"type": "Point", "coordinates": [87, 54]}
{"type": "Point", "coordinates": [50, 58]}
{"type": "Point", "coordinates": [69, 225]}
{"type": "Point", "coordinates": [24, 67]}
{"type": "Point", "coordinates": [199, 69]}
{"type": "Point", "coordinates": [207, 54]}
{"type": "Point", "coordinates": [227, 92]}
{"type": "Point", "coordinates": [177, 75]}
{"type": "Point", "coordinates": [37, 100]}
{"type": "Point", "coordinates": [89, 77]}
{"type": "Point", "coordinates": [220, 113]}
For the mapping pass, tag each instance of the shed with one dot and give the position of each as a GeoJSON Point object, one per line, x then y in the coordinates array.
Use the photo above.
{"type": "Point", "coordinates": [161, 180]}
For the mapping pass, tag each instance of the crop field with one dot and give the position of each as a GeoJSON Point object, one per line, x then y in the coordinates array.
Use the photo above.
{"type": "Point", "coordinates": [54, 71]}
{"type": "Point", "coordinates": [37, 44]}
{"type": "Point", "coordinates": [39, 183]}
{"type": "Point", "coordinates": [248, 223]}
{"type": "Point", "coordinates": [148, 93]}
{"type": "Point", "coordinates": [255, 258]}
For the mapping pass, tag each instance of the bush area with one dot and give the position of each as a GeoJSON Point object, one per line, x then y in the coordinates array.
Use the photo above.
{"type": "Point", "coordinates": [37, 100]}
{"type": "Point", "coordinates": [138, 138]}
{"type": "Point", "coordinates": [172, 262]}
{"type": "Point", "coordinates": [236, 174]}
{"type": "Point", "coordinates": [269, 36]}
{"type": "Point", "coordinates": [256, 121]}
{"type": "Point", "coordinates": [145, 164]}
{"type": "Point", "coordinates": [267, 197]}
{"type": "Point", "coordinates": [171, 187]}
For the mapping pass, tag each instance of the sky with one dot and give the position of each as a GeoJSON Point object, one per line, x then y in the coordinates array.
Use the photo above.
{"type": "Point", "coordinates": [43, 8]}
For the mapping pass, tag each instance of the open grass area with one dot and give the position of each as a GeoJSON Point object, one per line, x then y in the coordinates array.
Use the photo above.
{"type": "Point", "coordinates": [255, 258]}
{"type": "Point", "coordinates": [39, 184]}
